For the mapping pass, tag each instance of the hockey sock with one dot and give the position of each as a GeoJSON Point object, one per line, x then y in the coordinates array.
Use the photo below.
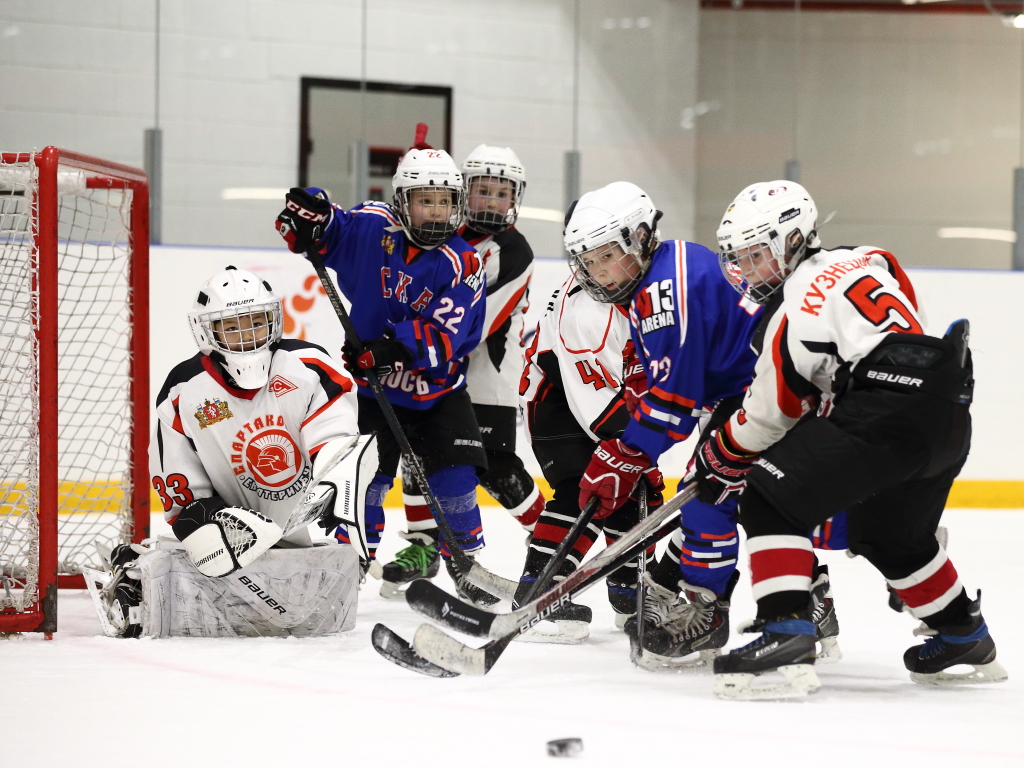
{"type": "Point", "coordinates": [554, 523]}
{"type": "Point", "coordinates": [831, 534]}
{"type": "Point", "coordinates": [781, 558]}
{"type": "Point", "coordinates": [508, 482]}
{"type": "Point", "coordinates": [375, 493]}
{"type": "Point", "coordinates": [933, 593]}
{"type": "Point", "coordinates": [455, 490]}
{"type": "Point", "coordinates": [710, 545]}
{"type": "Point", "coordinates": [417, 512]}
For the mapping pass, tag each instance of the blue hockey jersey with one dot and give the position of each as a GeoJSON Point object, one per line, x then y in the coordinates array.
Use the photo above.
{"type": "Point", "coordinates": [433, 300]}
{"type": "Point", "coordinates": [692, 333]}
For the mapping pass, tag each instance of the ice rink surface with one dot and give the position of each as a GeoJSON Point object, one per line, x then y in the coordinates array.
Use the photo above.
{"type": "Point", "coordinates": [86, 700]}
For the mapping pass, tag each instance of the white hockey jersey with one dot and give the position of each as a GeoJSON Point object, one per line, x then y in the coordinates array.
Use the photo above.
{"type": "Point", "coordinates": [836, 307]}
{"type": "Point", "coordinates": [576, 357]}
{"type": "Point", "coordinates": [253, 448]}
{"type": "Point", "coordinates": [496, 364]}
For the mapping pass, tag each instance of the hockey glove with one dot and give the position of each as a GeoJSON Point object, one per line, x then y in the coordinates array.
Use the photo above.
{"type": "Point", "coordinates": [220, 539]}
{"type": "Point", "coordinates": [304, 219]}
{"type": "Point", "coordinates": [655, 489]}
{"type": "Point", "coordinates": [384, 356]}
{"type": "Point", "coordinates": [720, 468]}
{"type": "Point", "coordinates": [612, 475]}
{"type": "Point", "coordinates": [634, 385]}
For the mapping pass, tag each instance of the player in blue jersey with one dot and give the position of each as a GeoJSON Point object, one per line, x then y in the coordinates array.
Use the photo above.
{"type": "Point", "coordinates": [692, 336]}
{"type": "Point", "coordinates": [417, 294]}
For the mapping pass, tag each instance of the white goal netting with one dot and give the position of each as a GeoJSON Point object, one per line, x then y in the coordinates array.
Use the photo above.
{"type": "Point", "coordinates": [94, 416]}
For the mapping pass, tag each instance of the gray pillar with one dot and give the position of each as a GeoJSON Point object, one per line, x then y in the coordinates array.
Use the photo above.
{"type": "Point", "coordinates": [153, 163]}
{"type": "Point", "coordinates": [792, 171]}
{"type": "Point", "coordinates": [360, 172]}
{"type": "Point", "coordinates": [572, 178]}
{"type": "Point", "coordinates": [1018, 217]}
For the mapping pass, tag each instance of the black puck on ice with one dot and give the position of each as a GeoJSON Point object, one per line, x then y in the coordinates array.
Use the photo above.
{"type": "Point", "coordinates": [565, 747]}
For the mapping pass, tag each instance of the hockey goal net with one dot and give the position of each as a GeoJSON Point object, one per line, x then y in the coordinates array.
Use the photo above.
{"type": "Point", "coordinates": [74, 373]}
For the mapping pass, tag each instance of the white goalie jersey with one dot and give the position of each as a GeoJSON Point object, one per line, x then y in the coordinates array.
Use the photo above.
{"type": "Point", "coordinates": [253, 448]}
{"type": "Point", "coordinates": [576, 360]}
{"type": "Point", "coordinates": [836, 307]}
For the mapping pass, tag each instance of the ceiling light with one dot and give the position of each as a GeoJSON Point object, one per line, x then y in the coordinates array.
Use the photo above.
{"type": "Point", "coordinates": [977, 233]}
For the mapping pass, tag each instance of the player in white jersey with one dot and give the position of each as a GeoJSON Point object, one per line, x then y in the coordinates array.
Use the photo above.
{"type": "Point", "coordinates": [240, 427]}
{"type": "Point", "coordinates": [842, 323]}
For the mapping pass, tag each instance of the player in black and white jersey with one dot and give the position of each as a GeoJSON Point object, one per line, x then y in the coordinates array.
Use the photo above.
{"type": "Point", "coordinates": [845, 323]}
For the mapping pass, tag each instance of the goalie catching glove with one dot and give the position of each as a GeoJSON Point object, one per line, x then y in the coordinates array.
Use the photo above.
{"type": "Point", "coordinates": [720, 468]}
{"type": "Point", "coordinates": [220, 539]}
{"type": "Point", "coordinates": [612, 474]}
{"type": "Point", "coordinates": [304, 219]}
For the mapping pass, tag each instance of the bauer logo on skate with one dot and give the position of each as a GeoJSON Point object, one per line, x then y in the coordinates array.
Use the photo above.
{"type": "Point", "coordinates": [210, 412]}
{"type": "Point", "coordinates": [279, 385]}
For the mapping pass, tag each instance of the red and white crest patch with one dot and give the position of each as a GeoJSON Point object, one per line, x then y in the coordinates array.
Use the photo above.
{"type": "Point", "coordinates": [279, 385]}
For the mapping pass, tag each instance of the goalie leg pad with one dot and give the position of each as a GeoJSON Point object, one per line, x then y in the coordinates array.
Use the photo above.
{"type": "Point", "coordinates": [304, 592]}
{"type": "Point", "coordinates": [371, 524]}
{"type": "Point", "coordinates": [221, 539]}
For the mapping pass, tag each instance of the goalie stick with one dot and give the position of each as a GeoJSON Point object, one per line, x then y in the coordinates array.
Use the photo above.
{"type": "Point", "coordinates": [475, 573]}
{"type": "Point", "coordinates": [397, 650]}
{"type": "Point", "coordinates": [445, 651]}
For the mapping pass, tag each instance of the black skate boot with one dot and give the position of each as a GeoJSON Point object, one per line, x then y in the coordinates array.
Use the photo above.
{"type": "Point", "coordinates": [570, 625]}
{"type": "Point", "coordinates": [683, 631]}
{"type": "Point", "coordinates": [125, 592]}
{"type": "Point", "coordinates": [786, 645]}
{"type": "Point", "coordinates": [622, 597]}
{"type": "Point", "coordinates": [467, 591]}
{"type": "Point", "coordinates": [969, 644]}
{"type": "Point", "coordinates": [420, 560]}
{"type": "Point", "coordinates": [823, 614]}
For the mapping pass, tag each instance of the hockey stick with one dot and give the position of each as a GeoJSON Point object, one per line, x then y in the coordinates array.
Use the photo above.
{"type": "Point", "coordinates": [445, 651]}
{"type": "Point", "coordinates": [398, 651]}
{"type": "Point", "coordinates": [641, 570]}
{"type": "Point", "coordinates": [475, 573]}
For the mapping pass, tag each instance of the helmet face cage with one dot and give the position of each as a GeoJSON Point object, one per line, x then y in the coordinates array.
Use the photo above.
{"type": "Point", "coordinates": [441, 224]}
{"type": "Point", "coordinates": [492, 202]}
{"type": "Point", "coordinates": [239, 331]}
{"type": "Point", "coordinates": [595, 268]}
{"type": "Point", "coordinates": [758, 279]}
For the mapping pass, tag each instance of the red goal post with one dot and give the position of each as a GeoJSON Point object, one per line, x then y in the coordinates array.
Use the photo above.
{"type": "Point", "coordinates": [74, 373]}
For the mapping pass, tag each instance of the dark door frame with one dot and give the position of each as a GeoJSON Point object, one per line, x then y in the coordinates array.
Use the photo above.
{"type": "Point", "coordinates": [308, 83]}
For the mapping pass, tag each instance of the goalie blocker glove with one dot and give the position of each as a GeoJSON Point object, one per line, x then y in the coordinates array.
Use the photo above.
{"type": "Point", "coordinates": [304, 219]}
{"type": "Point", "coordinates": [220, 539]}
{"type": "Point", "coordinates": [720, 468]}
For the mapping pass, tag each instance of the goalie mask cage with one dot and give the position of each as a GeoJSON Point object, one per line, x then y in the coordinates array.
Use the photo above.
{"type": "Point", "coordinates": [74, 373]}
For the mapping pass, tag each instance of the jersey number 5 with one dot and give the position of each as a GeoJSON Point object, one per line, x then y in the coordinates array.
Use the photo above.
{"type": "Point", "coordinates": [877, 310]}
{"type": "Point", "coordinates": [175, 491]}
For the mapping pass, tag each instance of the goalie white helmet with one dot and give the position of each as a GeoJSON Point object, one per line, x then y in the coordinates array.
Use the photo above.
{"type": "Point", "coordinates": [428, 196]}
{"type": "Point", "coordinates": [609, 235]}
{"type": "Point", "coordinates": [237, 315]}
{"type": "Point", "coordinates": [495, 182]}
{"type": "Point", "coordinates": [765, 233]}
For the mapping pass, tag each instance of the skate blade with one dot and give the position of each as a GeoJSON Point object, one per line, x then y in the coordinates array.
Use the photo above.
{"type": "Point", "coordinates": [621, 618]}
{"type": "Point", "coordinates": [389, 590]}
{"type": "Point", "coordinates": [800, 680]}
{"type": "Point", "coordinates": [565, 633]}
{"type": "Point", "coordinates": [694, 662]}
{"type": "Point", "coordinates": [829, 651]}
{"type": "Point", "coordinates": [992, 672]}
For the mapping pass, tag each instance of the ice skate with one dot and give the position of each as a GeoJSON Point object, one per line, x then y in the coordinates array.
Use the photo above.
{"type": "Point", "coordinates": [936, 662]}
{"type": "Point", "coordinates": [420, 560]}
{"type": "Point", "coordinates": [823, 614]}
{"type": "Point", "coordinates": [467, 591]}
{"type": "Point", "coordinates": [684, 631]}
{"type": "Point", "coordinates": [786, 647]}
{"type": "Point", "coordinates": [569, 626]}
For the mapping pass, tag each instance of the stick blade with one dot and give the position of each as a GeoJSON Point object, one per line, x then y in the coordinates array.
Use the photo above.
{"type": "Point", "coordinates": [491, 582]}
{"type": "Point", "coordinates": [445, 651]}
{"type": "Point", "coordinates": [429, 600]}
{"type": "Point", "coordinates": [396, 650]}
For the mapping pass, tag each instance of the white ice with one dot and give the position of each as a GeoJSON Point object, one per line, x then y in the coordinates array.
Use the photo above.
{"type": "Point", "coordinates": [85, 700]}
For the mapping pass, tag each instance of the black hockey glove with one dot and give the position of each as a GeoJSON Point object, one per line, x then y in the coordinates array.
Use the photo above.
{"type": "Point", "coordinates": [304, 219]}
{"type": "Point", "coordinates": [720, 468]}
{"type": "Point", "coordinates": [384, 356]}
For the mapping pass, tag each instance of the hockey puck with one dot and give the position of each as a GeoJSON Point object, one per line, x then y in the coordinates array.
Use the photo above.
{"type": "Point", "coordinates": [565, 747]}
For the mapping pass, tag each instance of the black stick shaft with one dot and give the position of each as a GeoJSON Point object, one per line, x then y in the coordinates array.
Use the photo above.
{"type": "Point", "coordinates": [412, 461]}
{"type": "Point", "coordinates": [641, 569]}
{"type": "Point", "coordinates": [564, 548]}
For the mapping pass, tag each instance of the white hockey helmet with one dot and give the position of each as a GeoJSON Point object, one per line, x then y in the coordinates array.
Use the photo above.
{"type": "Point", "coordinates": [495, 182]}
{"type": "Point", "coordinates": [424, 167]}
{"type": "Point", "coordinates": [777, 215]}
{"type": "Point", "coordinates": [609, 236]}
{"type": "Point", "coordinates": [237, 315]}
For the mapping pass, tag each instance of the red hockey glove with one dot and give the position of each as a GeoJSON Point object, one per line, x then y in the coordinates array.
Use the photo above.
{"type": "Point", "coordinates": [611, 475]}
{"type": "Point", "coordinates": [304, 219]}
{"type": "Point", "coordinates": [720, 468]}
{"type": "Point", "coordinates": [655, 489]}
{"type": "Point", "coordinates": [634, 385]}
{"type": "Point", "coordinates": [384, 356]}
